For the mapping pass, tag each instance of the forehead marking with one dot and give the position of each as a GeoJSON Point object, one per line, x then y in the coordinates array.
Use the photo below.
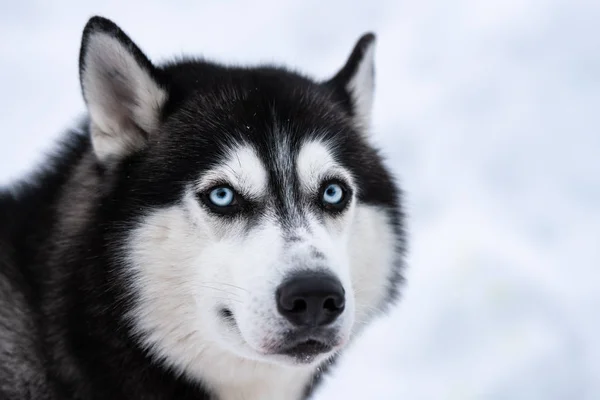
{"type": "Point", "coordinates": [284, 169]}
{"type": "Point", "coordinates": [242, 169]}
{"type": "Point", "coordinates": [288, 208]}
{"type": "Point", "coordinates": [315, 162]}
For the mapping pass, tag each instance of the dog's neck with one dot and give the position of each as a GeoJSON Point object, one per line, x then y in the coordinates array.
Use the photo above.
{"type": "Point", "coordinates": [252, 380]}
{"type": "Point", "coordinates": [275, 385]}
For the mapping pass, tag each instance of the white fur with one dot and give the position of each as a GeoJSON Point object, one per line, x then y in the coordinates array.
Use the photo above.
{"type": "Point", "coordinates": [315, 163]}
{"type": "Point", "coordinates": [361, 88]}
{"type": "Point", "coordinates": [372, 253]}
{"type": "Point", "coordinates": [242, 169]}
{"type": "Point", "coordinates": [186, 263]}
{"type": "Point", "coordinates": [122, 98]}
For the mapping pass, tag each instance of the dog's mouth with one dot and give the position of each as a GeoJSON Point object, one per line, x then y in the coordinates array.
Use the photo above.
{"type": "Point", "coordinates": [306, 350]}
{"type": "Point", "coordinates": [303, 347]}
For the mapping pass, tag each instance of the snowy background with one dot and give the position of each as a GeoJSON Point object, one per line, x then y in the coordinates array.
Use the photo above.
{"type": "Point", "coordinates": [489, 112]}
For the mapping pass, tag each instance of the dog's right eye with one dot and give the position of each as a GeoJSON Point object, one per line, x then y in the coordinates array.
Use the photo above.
{"type": "Point", "coordinates": [222, 199]}
{"type": "Point", "coordinates": [221, 196]}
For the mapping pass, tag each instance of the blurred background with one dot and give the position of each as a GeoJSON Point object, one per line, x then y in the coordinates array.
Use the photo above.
{"type": "Point", "coordinates": [489, 114]}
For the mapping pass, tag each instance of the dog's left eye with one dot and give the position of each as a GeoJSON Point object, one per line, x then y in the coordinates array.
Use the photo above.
{"type": "Point", "coordinates": [334, 196]}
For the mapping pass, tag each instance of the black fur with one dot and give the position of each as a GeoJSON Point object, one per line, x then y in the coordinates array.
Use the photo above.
{"type": "Point", "coordinates": [62, 335]}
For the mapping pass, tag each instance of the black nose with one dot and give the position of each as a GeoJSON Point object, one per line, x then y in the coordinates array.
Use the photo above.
{"type": "Point", "coordinates": [311, 299]}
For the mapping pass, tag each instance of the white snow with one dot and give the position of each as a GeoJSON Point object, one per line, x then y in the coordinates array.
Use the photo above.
{"type": "Point", "coordinates": [489, 112]}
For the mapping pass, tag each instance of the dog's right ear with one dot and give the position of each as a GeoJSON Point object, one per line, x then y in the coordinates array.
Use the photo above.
{"type": "Point", "coordinates": [121, 88]}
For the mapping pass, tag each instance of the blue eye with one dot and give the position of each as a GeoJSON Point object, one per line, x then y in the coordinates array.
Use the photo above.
{"type": "Point", "coordinates": [221, 196]}
{"type": "Point", "coordinates": [333, 194]}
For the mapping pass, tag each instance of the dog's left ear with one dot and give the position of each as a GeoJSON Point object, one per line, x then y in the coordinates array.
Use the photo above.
{"type": "Point", "coordinates": [121, 88]}
{"type": "Point", "coordinates": [354, 84]}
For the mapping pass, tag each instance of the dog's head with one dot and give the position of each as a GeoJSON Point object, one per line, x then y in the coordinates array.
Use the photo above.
{"type": "Point", "coordinates": [261, 223]}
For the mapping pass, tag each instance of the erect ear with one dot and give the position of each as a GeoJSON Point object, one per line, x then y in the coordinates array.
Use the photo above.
{"type": "Point", "coordinates": [354, 84]}
{"type": "Point", "coordinates": [121, 88]}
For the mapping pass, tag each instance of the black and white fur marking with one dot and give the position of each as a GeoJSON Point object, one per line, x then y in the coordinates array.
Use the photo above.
{"type": "Point", "coordinates": [119, 279]}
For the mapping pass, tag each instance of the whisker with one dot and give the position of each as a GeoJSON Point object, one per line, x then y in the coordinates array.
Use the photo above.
{"type": "Point", "coordinates": [228, 299]}
{"type": "Point", "coordinates": [227, 284]}
{"type": "Point", "coordinates": [218, 289]}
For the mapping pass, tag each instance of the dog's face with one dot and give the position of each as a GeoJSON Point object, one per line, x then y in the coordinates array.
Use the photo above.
{"type": "Point", "coordinates": [269, 229]}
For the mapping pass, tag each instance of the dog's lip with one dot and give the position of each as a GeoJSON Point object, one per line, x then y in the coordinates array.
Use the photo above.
{"type": "Point", "coordinates": [307, 344]}
{"type": "Point", "coordinates": [306, 348]}
{"type": "Point", "coordinates": [303, 346]}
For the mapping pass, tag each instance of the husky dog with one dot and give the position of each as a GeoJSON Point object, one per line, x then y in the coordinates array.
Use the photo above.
{"type": "Point", "coordinates": [209, 232]}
